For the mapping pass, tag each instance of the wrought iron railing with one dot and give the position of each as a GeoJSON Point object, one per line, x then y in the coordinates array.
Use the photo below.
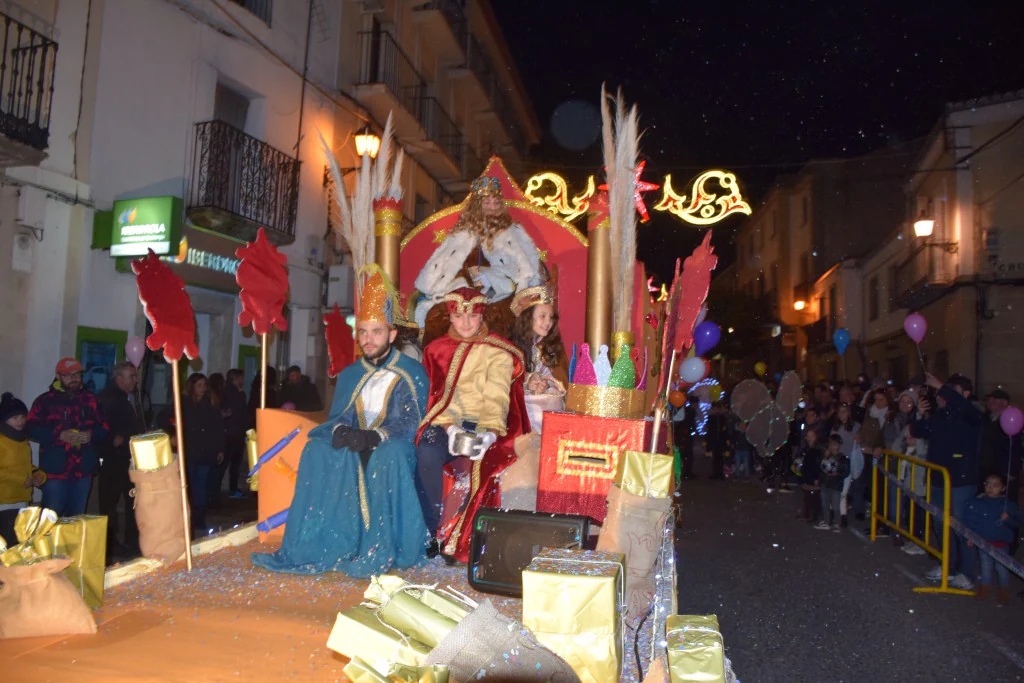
{"type": "Point", "coordinates": [383, 61]}
{"type": "Point", "coordinates": [442, 130]}
{"type": "Point", "coordinates": [244, 176]}
{"type": "Point", "coordinates": [925, 272]}
{"type": "Point", "coordinates": [26, 83]}
{"type": "Point", "coordinates": [262, 9]}
{"type": "Point", "coordinates": [479, 63]}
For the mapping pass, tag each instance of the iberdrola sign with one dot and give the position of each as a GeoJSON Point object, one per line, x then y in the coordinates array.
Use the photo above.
{"type": "Point", "coordinates": [144, 224]}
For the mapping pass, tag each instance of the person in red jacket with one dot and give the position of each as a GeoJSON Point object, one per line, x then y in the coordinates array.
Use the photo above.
{"type": "Point", "coordinates": [476, 385]}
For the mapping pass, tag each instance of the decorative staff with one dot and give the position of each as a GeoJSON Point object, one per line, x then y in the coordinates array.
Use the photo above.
{"type": "Point", "coordinates": [263, 279]}
{"type": "Point", "coordinates": [169, 310]}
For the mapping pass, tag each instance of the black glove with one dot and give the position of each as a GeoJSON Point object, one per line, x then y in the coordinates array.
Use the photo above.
{"type": "Point", "coordinates": [339, 435]}
{"type": "Point", "coordinates": [357, 440]}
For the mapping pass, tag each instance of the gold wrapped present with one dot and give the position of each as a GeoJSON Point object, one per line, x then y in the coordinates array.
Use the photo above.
{"type": "Point", "coordinates": [252, 452]}
{"type": "Point", "coordinates": [572, 602]}
{"type": "Point", "coordinates": [646, 474]}
{"type": "Point", "coordinates": [359, 633]}
{"type": "Point", "coordinates": [83, 540]}
{"type": "Point", "coordinates": [359, 671]}
{"type": "Point", "coordinates": [695, 649]}
{"type": "Point", "coordinates": [401, 610]}
{"type": "Point", "coordinates": [151, 451]}
{"type": "Point", "coordinates": [605, 401]}
{"type": "Point", "coordinates": [31, 526]}
{"type": "Point", "coordinates": [445, 603]}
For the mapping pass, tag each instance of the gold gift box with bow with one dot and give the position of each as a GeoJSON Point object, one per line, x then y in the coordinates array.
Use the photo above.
{"type": "Point", "coordinates": [650, 475]}
{"type": "Point", "coordinates": [151, 451]}
{"type": "Point", "coordinates": [572, 602]}
{"type": "Point", "coordinates": [358, 632]}
{"type": "Point", "coordinates": [695, 649]}
{"type": "Point", "coordinates": [82, 539]}
{"type": "Point", "coordinates": [359, 671]}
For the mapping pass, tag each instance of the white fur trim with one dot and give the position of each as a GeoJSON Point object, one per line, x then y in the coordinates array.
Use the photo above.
{"type": "Point", "coordinates": [442, 268]}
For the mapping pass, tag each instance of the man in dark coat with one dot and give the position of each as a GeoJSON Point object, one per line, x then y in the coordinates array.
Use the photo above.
{"type": "Point", "coordinates": [236, 423]}
{"type": "Point", "coordinates": [124, 419]}
{"type": "Point", "coordinates": [300, 391]}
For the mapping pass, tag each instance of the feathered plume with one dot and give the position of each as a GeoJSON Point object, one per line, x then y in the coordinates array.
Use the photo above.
{"type": "Point", "coordinates": [375, 179]}
{"type": "Point", "coordinates": [621, 150]}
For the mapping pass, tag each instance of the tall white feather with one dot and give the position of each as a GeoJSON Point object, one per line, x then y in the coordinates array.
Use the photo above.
{"type": "Point", "coordinates": [382, 164]}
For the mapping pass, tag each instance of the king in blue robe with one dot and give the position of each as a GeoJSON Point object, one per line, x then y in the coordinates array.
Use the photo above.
{"type": "Point", "coordinates": [355, 508]}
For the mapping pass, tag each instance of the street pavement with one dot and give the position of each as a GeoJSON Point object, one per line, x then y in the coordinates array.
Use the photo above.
{"type": "Point", "coordinates": [798, 604]}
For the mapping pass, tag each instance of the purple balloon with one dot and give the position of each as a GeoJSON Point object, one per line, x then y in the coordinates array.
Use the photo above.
{"type": "Point", "coordinates": [1012, 421]}
{"type": "Point", "coordinates": [705, 336]}
{"type": "Point", "coordinates": [916, 327]}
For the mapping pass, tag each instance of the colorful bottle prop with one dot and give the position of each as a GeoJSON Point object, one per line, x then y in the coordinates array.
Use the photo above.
{"type": "Point", "coordinates": [602, 366]}
{"type": "Point", "coordinates": [572, 364]}
{"type": "Point", "coordinates": [623, 373]}
{"type": "Point", "coordinates": [585, 373]}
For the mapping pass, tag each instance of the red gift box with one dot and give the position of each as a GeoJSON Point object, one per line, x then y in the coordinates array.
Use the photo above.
{"type": "Point", "coordinates": [579, 455]}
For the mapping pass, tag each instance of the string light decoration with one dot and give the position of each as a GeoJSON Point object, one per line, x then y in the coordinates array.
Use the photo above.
{"type": "Point", "coordinates": [703, 207]}
{"type": "Point", "coordinates": [703, 407]}
{"type": "Point", "coordinates": [700, 206]}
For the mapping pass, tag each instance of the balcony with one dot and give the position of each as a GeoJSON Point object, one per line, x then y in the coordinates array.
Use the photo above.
{"type": "Point", "coordinates": [389, 82]}
{"type": "Point", "coordinates": [26, 93]}
{"type": "Point", "coordinates": [924, 276]}
{"type": "Point", "coordinates": [240, 183]}
{"type": "Point", "coordinates": [446, 19]}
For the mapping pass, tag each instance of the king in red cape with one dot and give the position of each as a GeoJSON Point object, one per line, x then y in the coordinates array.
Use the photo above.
{"type": "Point", "coordinates": [476, 387]}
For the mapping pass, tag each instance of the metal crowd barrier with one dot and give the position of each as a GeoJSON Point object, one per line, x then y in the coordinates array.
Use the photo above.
{"type": "Point", "coordinates": [919, 474]}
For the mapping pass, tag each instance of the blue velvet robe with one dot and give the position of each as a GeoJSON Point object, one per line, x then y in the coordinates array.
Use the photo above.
{"type": "Point", "coordinates": [353, 521]}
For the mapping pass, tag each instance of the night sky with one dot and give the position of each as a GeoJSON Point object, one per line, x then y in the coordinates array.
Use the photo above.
{"type": "Point", "coordinates": [750, 87]}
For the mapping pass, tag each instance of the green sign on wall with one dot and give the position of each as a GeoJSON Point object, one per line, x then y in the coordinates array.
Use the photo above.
{"type": "Point", "coordinates": [144, 224]}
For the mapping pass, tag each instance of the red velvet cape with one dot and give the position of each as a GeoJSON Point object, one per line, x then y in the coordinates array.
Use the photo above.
{"type": "Point", "coordinates": [439, 357]}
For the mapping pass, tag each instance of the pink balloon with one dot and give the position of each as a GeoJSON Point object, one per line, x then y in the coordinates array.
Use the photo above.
{"type": "Point", "coordinates": [135, 350]}
{"type": "Point", "coordinates": [288, 406]}
{"type": "Point", "coordinates": [916, 327]}
{"type": "Point", "coordinates": [1012, 421]}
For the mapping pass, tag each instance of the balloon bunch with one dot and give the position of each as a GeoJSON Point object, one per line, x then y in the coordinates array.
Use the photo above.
{"type": "Point", "coordinates": [767, 420]}
{"type": "Point", "coordinates": [705, 337]}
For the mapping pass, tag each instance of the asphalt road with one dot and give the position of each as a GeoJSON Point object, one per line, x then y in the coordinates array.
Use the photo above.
{"type": "Point", "coordinates": [798, 604]}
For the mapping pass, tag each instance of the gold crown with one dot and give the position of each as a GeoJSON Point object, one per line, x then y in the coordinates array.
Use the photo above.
{"type": "Point", "coordinates": [377, 303]}
{"type": "Point", "coordinates": [465, 300]}
{"type": "Point", "coordinates": [486, 186]}
{"type": "Point", "coordinates": [532, 296]}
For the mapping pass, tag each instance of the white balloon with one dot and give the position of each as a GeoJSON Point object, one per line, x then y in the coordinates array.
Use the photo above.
{"type": "Point", "coordinates": [700, 316]}
{"type": "Point", "coordinates": [693, 370]}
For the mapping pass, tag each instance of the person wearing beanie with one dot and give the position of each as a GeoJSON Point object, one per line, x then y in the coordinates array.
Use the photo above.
{"type": "Point", "coordinates": [67, 423]}
{"type": "Point", "coordinates": [17, 475]}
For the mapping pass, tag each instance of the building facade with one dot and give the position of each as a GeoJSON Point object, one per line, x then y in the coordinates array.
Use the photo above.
{"type": "Point", "coordinates": [186, 125]}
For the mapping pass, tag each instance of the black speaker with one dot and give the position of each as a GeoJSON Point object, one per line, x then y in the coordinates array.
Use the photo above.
{"type": "Point", "coordinates": [504, 542]}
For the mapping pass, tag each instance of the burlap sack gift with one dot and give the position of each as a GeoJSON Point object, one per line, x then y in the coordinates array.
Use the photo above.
{"type": "Point", "coordinates": [38, 600]}
{"type": "Point", "coordinates": [158, 512]}
{"type": "Point", "coordinates": [634, 527]}
{"type": "Point", "coordinates": [487, 643]}
{"type": "Point", "coordinates": [519, 480]}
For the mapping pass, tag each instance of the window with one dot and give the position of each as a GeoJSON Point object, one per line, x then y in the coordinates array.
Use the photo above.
{"type": "Point", "coordinates": [230, 106]}
{"type": "Point", "coordinates": [873, 299]}
{"type": "Point", "coordinates": [422, 210]}
{"type": "Point", "coordinates": [891, 298]}
{"type": "Point", "coordinates": [261, 8]}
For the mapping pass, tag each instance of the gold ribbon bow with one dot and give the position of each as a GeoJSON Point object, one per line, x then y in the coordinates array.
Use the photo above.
{"type": "Point", "coordinates": [31, 525]}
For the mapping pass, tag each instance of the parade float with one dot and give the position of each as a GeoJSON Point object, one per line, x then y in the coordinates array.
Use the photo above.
{"type": "Point", "coordinates": [573, 577]}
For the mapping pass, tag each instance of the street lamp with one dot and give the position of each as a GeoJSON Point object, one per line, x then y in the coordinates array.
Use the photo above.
{"type": "Point", "coordinates": [367, 142]}
{"type": "Point", "coordinates": [800, 295]}
{"type": "Point", "coordinates": [924, 226]}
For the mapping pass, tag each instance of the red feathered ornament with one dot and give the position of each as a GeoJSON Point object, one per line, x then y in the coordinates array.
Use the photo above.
{"type": "Point", "coordinates": [167, 307]}
{"type": "Point", "coordinates": [263, 280]}
{"type": "Point", "coordinates": [340, 343]}
{"type": "Point", "coordinates": [693, 290]}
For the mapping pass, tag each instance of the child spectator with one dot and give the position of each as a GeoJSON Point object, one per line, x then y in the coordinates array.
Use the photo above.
{"type": "Point", "coordinates": [994, 518]}
{"type": "Point", "coordinates": [834, 469]}
{"type": "Point", "coordinates": [17, 475]}
{"type": "Point", "coordinates": [810, 483]}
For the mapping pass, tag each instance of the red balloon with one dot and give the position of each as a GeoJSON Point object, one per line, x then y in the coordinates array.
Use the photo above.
{"type": "Point", "coordinates": [676, 398]}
